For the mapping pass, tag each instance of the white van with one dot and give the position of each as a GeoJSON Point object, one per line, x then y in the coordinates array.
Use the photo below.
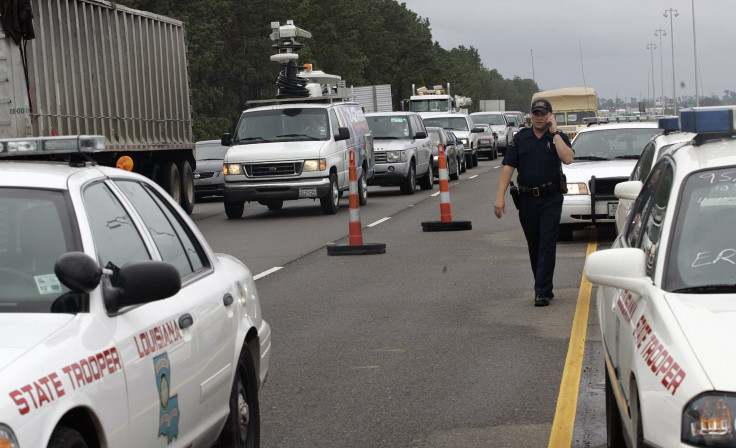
{"type": "Point", "coordinates": [296, 150]}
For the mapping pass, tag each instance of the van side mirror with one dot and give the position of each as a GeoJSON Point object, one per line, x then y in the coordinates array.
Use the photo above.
{"type": "Point", "coordinates": [226, 139]}
{"type": "Point", "coordinates": [342, 134]}
{"type": "Point", "coordinates": [420, 134]}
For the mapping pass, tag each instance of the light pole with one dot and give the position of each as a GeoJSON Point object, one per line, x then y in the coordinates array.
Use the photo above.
{"type": "Point", "coordinates": [672, 13]}
{"type": "Point", "coordinates": [660, 33]}
{"type": "Point", "coordinates": [695, 53]}
{"type": "Point", "coordinates": [651, 47]}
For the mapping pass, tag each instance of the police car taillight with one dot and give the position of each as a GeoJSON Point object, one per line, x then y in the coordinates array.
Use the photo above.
{"type": "Point", "coordinates": [51, 145]}
{"type": "Point", "coordinates": [717, 119]}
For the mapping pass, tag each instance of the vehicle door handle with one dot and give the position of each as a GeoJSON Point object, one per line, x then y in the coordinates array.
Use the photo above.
{"type": "Point", "coordinates": [227, 300]}
{"type": "Point", "coordinates": [185, 320]}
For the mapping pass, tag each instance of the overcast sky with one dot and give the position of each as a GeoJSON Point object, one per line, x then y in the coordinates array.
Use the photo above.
{"type": "Point", "coordinates": [544, 41]}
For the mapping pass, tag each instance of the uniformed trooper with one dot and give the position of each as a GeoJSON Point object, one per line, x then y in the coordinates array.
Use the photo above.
{"type": "Point", "coordinates": [537, 152]}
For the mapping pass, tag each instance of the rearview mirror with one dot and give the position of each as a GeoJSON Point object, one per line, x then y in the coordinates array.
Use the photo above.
{"type": "Point", "coordinates": [342, 134]}
{"type": "Point", "coordinates": [226, 139]}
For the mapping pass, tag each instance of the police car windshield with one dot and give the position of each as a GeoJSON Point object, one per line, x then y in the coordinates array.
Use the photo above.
{"type": "Point", "coordinates": [279, 125]}
{"type": "Point", "coordinates": [703, 252]}
{"type": "Point", "coordinates": [35, 231]}
{"type": "Point", "coordinates": [612, 143]}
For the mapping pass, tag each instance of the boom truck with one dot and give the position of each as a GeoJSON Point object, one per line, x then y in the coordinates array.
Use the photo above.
{"type": "Point", "coordinates": [437, 100]}
{"type": "Point", "coordinates": [92, 67]}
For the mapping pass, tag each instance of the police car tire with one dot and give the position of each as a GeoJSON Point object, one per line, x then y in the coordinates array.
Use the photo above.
{"type": "Point", "coordinates": [244, 388]}
{"type": "Point", "coordinates": [64, 437]}
{"type": "Point", "coordinates": [187, 187]}
{"type": "Point", "coordinates": [636, 418]}
{"type": "Point", "coordinates": [614, 428]}
{"type": "Point", "coordinates": [330, 202]}
{"type": "Point", "coordinates": [427, 182]}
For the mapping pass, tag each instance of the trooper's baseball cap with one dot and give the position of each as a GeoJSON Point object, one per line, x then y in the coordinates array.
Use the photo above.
{"type": "Point", "coordinates": [542, 105]}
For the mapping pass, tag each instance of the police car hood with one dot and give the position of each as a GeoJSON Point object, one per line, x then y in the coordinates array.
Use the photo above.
{"type": "Point", "coordinates": [276, 151]}
{"type": "Point", "coordinates": [20, 332]}
{"type": "Point", "coordinates": [391, 144]}
{"type": "Point", "coordinates": [708, 322]}
{"type": "Point", "coordinates": [582, 171]}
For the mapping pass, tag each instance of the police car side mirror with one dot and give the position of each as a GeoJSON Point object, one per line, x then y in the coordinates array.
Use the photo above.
{"type": "Point", "coordinates": [78, 271]}
{"type": "Point", "coordinates": [226, 140]}
{"type": "Point", "coordinates": [141, 282]}
{"type": "Point", "coordinates": [342, 134]}
{"type": "Point", "coordinates": [623, 268]}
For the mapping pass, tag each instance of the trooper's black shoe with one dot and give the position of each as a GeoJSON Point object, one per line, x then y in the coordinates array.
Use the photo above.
{"type": "Point", "coordinates": [541, 301]}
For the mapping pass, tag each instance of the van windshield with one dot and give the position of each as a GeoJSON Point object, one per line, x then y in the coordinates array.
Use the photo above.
{"type": "Point", "coordinates": [279, 125]}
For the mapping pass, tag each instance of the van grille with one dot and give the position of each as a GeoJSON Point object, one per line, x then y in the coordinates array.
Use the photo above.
{"type": "Point", "coordinates": [273, 169]}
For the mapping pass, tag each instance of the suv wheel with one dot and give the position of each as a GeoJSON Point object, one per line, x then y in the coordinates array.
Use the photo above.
{"type": "Point", "coordinates": [427, 182]}
{"type": "Point", "coordinates": [410, 183]}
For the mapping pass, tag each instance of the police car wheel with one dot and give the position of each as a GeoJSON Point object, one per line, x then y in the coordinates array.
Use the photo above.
{"type": "Point", "coordinates": [242, 428]}
{"type": "Point", "coordinates": [638, 436]}
{"type": "Point", "coordinates": [614, 429]}
{"type": "Point", "coordinates": [64, 437]}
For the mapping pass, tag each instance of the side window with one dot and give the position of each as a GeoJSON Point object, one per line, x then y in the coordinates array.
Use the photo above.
{"type": "Point", "coordinates": [635, 223]}
{"type": "Point", "coordinates": [116, 238]}
{"type": "Point", "coordinates": [173, 242]}
{"type": "Point", "coordinates": [334, 123]}
{"type": "Point", "coordinates": [644, 164]}
{"type": "Point", "coordinates": [419, 124]}
{"type": "Point", "coordinates": [652, 229]}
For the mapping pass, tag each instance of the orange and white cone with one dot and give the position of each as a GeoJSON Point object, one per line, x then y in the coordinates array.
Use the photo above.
{"type": "Point", "coordinates": [446, 222]}
{"type": "Point", "coordinates": [356, 246]}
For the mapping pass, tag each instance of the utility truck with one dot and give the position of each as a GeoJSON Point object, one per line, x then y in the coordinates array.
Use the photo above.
{"type": "Point", "coordinates": [437, 100]}
{"type": "Point", "coordinates": [93, 67]}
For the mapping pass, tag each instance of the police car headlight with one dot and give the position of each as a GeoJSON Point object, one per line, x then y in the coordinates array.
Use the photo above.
{"type": "Point", "coordinates": [315, 165]}
{"type": "Point", "coordinates": [232, 168]}
{"type": "Point", "coordinates": [708, 420]}
{"type": "Point", "coordinates": [7, 438]}
{"type": "Point", "coordinates": [577, 188]}
{"type": "Point", "coordinates": [396, 156]}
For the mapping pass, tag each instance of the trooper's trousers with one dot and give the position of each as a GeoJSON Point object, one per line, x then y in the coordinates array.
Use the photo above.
{"type": "Point", "coordinates": [540, 219]}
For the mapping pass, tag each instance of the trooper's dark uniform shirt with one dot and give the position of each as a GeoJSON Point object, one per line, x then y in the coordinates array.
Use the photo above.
{"type": "Point", "coordinates": [538, 164]}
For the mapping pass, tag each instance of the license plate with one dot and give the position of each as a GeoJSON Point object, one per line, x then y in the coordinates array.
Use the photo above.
{"type": "Point", "coordinates": [612, 207]}
{"type": "Point", "coordinates": [307, 192]}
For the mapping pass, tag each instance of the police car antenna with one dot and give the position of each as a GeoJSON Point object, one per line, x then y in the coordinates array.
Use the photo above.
{"type": "Point", "coordinates": [290, 84]}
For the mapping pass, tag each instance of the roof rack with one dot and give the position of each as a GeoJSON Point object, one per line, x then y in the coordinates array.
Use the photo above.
{"type": "Point", "coordinates": [308, 99]}
{"type": "Point", "coordinates": [622, 119]}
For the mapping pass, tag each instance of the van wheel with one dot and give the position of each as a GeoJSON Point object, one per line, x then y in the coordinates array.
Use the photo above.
{"type": "Point", "coordinates": [274, 205]}
{"type": "Point", "coordinates": [427, 182]}
{"type": "Point", "coordinates": [331, 201]}
{"type": "Point", "coordinates": [187, 187]}
{"type": "Point", "coordinates": [64, 437]}
{"type": "Point", "coordinates": [171, 181]}
{"type": "Point", "coordinates": [234, 210]}
{"type": "Point", "coordinates": [410, 184]}
{"type": "Point", "coordinates": [362, 188]}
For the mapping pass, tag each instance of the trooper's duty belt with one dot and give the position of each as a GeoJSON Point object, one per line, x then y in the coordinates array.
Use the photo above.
{"type": "Point", "coordinates": [543, 190]}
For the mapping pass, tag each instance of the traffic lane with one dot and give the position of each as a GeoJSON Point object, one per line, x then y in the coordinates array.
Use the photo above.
{"type": "Point", "coordinates": [435, 343]}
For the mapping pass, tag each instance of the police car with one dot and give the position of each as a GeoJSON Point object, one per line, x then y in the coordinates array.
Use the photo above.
{"type": "Point", "coordinates": [667, 296]}
{"type": "Point", "coordinates": [119, 326]}
{"type": "Point", "coordinates": [626, 192]}
{"type": "Point", "coordinates": [605, 154]}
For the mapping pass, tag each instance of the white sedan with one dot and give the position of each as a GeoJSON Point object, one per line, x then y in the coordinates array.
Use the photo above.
{"type": "Point", "coordinates": [666, 300]}
{"type": "Point", "coordinates": [118, 324]}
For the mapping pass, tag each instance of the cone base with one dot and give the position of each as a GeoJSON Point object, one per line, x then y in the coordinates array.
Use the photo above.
{"type": "Point", "coordinates": [439, 226]}
{"type": "Point", "coordinates": [362, 249]}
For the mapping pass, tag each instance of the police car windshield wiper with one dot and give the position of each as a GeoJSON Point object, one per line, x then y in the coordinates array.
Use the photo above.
{"type": "Point", "coordinates": [591, 158]}
{"type": "Point", "coordinates": [708, 289]}
{"type": "Point", "coordinates": [629, 157]}
{"type": "Point", "coordinates": [250, 139]}
{"type": "Point", "coordinates": [298, 135]}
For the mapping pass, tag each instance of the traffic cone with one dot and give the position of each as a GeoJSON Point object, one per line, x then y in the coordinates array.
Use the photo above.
{"type": "Point", "coordinates": [446, 222]}
{"type": "Point", "coordinates": [356, 246]}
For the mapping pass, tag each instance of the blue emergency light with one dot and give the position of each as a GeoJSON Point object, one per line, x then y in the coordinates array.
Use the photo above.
{"type": "Point", "coordinates": [669, 123]}
{"type": "Point", "coordinates": [716, 119]}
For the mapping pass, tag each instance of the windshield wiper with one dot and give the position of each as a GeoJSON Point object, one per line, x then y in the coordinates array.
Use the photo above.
{"type": "Point", "coordinates": [250, 139]}
{"type": "Point", "coordinates": [298, 135]}
{"type": "Point", "coordinates": [708, 289]}
{"type": "Point", "coordinates": [385, 138]}
{"type": "Point", "coordinates": [629, 157]}
{"type": "Point", "coordinates": [591, 158]}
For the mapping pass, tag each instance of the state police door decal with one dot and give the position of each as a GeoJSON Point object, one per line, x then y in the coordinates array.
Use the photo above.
{"type": "Point", "coordinates": [168, 423]}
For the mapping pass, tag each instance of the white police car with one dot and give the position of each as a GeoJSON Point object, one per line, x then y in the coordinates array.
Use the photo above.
{"type": "Point", "coordinates": [667, 300]}
{"type": "Point", "coordinates": [605, 154]}
{"type": "Point", "coordinates": [118, 324]}
{"type": "Point", "coordinates": [626, 192]}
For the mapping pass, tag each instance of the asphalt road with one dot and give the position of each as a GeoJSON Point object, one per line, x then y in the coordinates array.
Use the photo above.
{"type": "Point", "coordinates": [435, 343]}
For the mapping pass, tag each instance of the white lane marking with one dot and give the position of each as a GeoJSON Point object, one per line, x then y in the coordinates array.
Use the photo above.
{"type": "Point", "coordinates": [473, 177]}
{"type": "Point", "coordinates": [265, 273]}
{"type": "Point", "coordinates": [435, 194]}
{"type": "Point", "coordinates": [378, 222]}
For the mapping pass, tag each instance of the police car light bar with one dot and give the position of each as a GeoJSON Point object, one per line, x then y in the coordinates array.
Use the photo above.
{"type": "Point", "coordinates": [68, 144]}
{"type": "Point", "coordinates": [669, 123]}
{"type": "Point", "coordinates": [623, 119]}
{"type": "Point", "coordinates": [714, 119]}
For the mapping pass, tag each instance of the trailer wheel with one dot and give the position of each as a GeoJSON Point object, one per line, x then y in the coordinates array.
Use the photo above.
{"type": "Point", "coordinates": [187, 187]}
{"type": "Point", "coordinates": [171, 181]}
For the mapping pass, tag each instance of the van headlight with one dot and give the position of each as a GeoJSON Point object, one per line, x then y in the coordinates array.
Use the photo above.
{"type": "Point", "coordinates": [708, 421]}
{"type": "Point", "coordinates": [396, 156]}
{"type": "Point", "coordinates": [232, 168]}
{"type": "Point", "coordinates": [7, 438]}
{"type": "Point", "coordinates": [315, 165]}
{"type": "Point", "coordinates": [577, 188]}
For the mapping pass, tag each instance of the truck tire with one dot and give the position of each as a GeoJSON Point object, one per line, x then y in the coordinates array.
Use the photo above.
{"type": "Point", "coordinates": [330, 202]}
{"type": "Point", "coordinates": [234, 210]}
{"type": "Point", "coordinates": [187, 187]}
{"type": "Point", "coordinates": [170, 180]}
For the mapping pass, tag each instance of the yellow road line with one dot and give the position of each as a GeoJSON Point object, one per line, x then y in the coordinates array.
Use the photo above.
{"type": "Point", "coordinates": [567, 400]}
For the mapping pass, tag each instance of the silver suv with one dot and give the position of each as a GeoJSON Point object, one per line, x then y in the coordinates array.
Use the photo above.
{"type": "Point", "coordinates": [402, 151]}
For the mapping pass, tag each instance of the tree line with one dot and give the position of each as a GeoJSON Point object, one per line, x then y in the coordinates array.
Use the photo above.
{"type": "Point", "coordinates": [366, 42]}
